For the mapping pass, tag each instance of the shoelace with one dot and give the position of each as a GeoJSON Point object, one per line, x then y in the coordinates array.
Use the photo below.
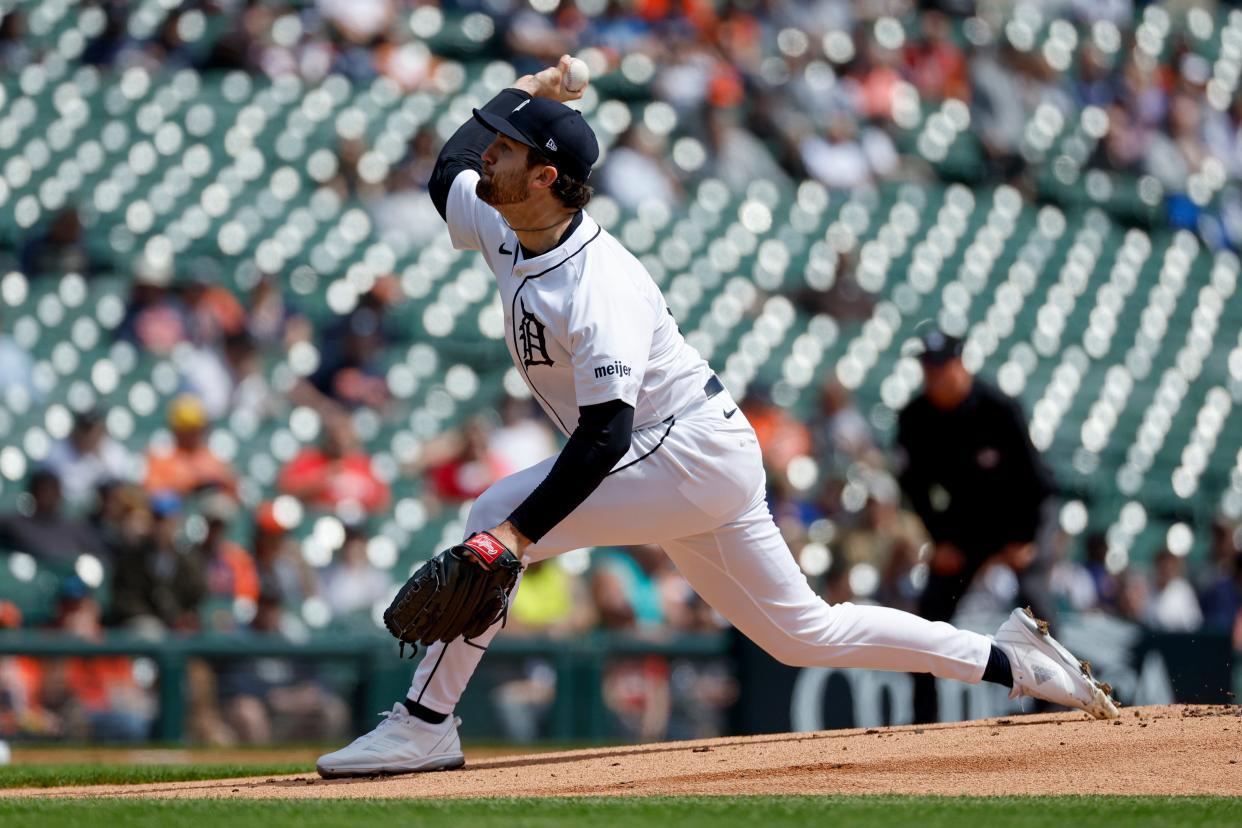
{"type": "Point", "coordinates": [389, 716]}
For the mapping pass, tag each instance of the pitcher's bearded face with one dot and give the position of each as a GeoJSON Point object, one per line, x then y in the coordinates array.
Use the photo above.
{"type": "Point", "coordinates": [503, 179]}
{"type": "Point", "coordinates": [501, 187]}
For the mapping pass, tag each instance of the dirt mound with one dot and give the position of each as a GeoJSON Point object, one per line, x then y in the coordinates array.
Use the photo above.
{"type": "Point", "coordinates": [1150, 750]}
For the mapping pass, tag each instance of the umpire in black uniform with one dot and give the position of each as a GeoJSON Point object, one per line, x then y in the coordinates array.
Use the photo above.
{"type": "Point", "coordinates": [968, 467]}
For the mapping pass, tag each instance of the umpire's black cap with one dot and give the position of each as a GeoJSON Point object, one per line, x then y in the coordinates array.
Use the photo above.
{"type": "Point", "coordinates": [939, 347]}
{"type": "Point", "coordinates": [552, 128]}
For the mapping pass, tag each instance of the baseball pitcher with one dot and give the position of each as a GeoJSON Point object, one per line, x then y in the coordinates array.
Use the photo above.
{"type": "Point", "coordinates": [657, 452]}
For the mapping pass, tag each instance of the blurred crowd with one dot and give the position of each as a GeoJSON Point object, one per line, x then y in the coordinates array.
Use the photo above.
{"type": "Point", "coordinates": [781, 90]}
{"type": "Point", "coordinates": [158, 545]}
{"type": "Point", "coordinates": [174, 537]}
{"type": "Point", "coordinates": [863, 545]}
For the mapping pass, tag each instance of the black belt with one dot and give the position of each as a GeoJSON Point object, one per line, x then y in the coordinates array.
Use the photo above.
{"type": "Point", "coordinates": [713, 387]}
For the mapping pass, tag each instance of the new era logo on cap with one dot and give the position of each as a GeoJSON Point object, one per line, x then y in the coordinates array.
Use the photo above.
{"type": "Point", "coordinates": [551, 145]}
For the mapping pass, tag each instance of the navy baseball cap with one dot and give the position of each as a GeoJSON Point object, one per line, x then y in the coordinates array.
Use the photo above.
{"type": "Point", "coordinates": [552, 128]}
{"type": "Point", "coordinates": [939, 347]}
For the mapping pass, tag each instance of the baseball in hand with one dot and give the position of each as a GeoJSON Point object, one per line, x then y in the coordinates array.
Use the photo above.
{"type": "Point", "coordinates": [576, 76]}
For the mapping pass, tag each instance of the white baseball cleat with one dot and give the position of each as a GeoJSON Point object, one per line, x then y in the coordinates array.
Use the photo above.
{"type": "Point", "coordinates": [1044, 669]}
{"type": "Point", "coordinates": [400, 743]}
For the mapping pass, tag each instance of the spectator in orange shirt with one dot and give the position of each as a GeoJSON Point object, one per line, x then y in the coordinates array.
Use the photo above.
{"type": "Point", "coordinates": [228, 569]}
{"type": "Point", "coordinates": [96, 697]}
{"type": "Point", "coordinates": [189, 465]}
{"type": "Point", "coordinates": [21, 711]}
{"type": "Point", "coordinates": [281, 568]}
{"type": "Point", "coordinates": [336, 473]}
{"type": "Point", "coordinates": [781, 437]}
{"type": "Point", "coordinates": [212, 312]}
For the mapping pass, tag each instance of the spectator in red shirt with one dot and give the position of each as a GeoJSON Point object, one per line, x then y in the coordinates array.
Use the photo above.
{"type": "Point", "coordinates": [473, 467]}
{"type": "Point", "coordinates": [937, 66]}
{"type": "Point", "coordinates": [874, 78]}
{"type": "Point", "coordinates": [337, 472]}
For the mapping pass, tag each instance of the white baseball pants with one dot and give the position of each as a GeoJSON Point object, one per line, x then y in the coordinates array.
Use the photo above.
{"type": "Point", "coordinates": [696, 488]}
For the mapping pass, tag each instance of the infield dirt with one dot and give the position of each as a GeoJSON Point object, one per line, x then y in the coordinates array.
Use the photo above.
{"type": "Point", "coordinates": [1150, 750]}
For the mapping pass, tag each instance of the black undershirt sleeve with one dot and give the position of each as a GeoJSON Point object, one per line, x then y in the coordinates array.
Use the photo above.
{"type": "Point", "coordinates": [464, 151]}
{"type": "Point", "coordinates": [601, 439]}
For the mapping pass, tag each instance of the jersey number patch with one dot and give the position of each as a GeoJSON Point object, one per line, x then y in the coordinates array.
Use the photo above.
{"type": "Point", "coordinates": [534, 347]}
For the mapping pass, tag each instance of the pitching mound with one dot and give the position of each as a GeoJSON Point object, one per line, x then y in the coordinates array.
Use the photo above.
{"type": "Point", "coordinates": [1150, 750]}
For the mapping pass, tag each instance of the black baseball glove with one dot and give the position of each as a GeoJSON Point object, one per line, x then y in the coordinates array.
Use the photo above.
{"type": "Point", "coordinates": [459, 593]}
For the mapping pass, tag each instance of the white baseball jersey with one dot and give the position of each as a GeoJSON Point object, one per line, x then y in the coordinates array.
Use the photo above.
{"type": "Point", "coordinates": [584, 322]}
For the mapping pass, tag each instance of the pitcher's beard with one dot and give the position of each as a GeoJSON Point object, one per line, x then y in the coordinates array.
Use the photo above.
{"type": "Point", "coordinates": [499, 190]}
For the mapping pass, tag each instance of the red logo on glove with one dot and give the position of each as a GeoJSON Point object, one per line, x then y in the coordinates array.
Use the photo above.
{"type": "Point", "coordinates": [486, 547]}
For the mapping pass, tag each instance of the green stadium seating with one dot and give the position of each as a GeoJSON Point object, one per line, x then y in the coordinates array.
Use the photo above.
{"type": "Point", "coordinates": [1123, 342]}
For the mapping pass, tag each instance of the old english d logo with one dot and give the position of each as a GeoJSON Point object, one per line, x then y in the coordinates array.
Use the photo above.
{"type": "Point", "coordinates": [534, 348]}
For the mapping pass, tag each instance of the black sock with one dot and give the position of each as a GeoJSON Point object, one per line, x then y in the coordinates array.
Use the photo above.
{"type": "Point", "coordinates": [998, 670]}
{"type": "Point", "coordinates": [426, 713]}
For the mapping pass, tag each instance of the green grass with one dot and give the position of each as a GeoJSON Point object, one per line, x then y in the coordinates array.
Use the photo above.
{"type": "Point", "coordinates": [49, 776]}
{"type": "Point", "coordinates": [684, 812]}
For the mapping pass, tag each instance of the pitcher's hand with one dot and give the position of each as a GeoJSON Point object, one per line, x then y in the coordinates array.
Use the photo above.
{"type": "Point", "coordinates": [550, 83]}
